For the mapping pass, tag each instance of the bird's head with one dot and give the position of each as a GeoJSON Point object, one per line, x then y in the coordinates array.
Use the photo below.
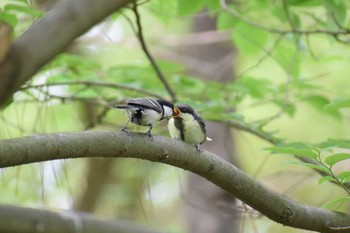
{"type": "Point", "coordinates": [184, 111]}
{"type": "Point", "coordinates": [167, 107]}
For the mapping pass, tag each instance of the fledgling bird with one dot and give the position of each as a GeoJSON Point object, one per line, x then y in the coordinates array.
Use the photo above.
{"type": "Point", "coordinates": [188, 126]}
{"type": "Point", "coordinates": [146, 111]}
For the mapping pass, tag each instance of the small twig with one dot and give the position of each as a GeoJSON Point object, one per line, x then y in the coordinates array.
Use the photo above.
{"type": "Point", "coordinates": [97, 84]}
{"type": "Point", "coordinates": [268, 53]}
{"type": "Point", "coordinates": [286, 12]}
{"type": "Point", "coordinates": [102, 114]}
{"type": "Point", "coordinates": [141, 39]}
{"type": "Point", "coordinates": [237, 15]}
{"type": "Point", "coordinates": [250, 129]}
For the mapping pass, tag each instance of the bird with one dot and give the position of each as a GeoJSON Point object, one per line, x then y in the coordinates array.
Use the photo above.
{"type": "Point", "coordinates": [188, 126]}
{"type": "Point", "coordinates": [146, 111]}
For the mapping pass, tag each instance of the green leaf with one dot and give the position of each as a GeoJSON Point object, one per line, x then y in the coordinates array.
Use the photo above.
{"type": "Point", "coordinates": [164, 10]}
{"type": "Point", "coordinates": [336, 201]}
{"type": "Point", "coordinates": [335, 158]}
{"type": "Point", "coordinates": [319, 102]}
{"type": "Point", "coordinates": [214, 6]}
{"type": "Point", "coordinates": [325, 178]}
{"type": "Point", "coordinates": [288, 108]}
{"type": "Point", "coordinates": [333, 143]}
{"type": "Point", "coordinates": [56, 78]}
{"type": "Point", "coordinates": [289, 58]}
{"type": "Point", "coordinates": [295, 20]}
{"type": "Point", "coordinates": [249, 39]}
{"type": "Point", "coordinates": [186, 7]}
{"type": "Point", "coordinates": [256, 87]}
{"type": "Point", "coordinates": [341, 102]}
{"type": "Point", "coordinates": [337, 13]}
{"type": "Point", "coordinates": [8, 18]}
{"type": "Point", "coordinates": [226, 21]}
{"type": "Point", "coordinates": [305, 3]}
{"type": "Point", "coordinates": [313, 166]}
{"type": "Point", "coordinates": [23, 9]}
{"type": "Point", "coordinates": [344, 176]}
{"type": "Point", "coordinates": [299, 149]}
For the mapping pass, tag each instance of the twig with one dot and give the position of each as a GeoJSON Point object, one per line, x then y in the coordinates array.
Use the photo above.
{"type": "Point", "coordinates": [268, 53]}
{"type": "Point", "coordinates": [97, 84]}
{"type": "Point", "coordinates": [141, 39]}
{"type": "Point", "coordinates": [231, 11]}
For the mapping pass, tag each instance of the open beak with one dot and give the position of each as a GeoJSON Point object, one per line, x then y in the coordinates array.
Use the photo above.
{"type": "Point", "coordinates": [176, 112]}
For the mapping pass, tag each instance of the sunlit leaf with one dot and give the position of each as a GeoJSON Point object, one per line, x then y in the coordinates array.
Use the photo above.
{"type": "Point", "coordinates": [289, 58]}
{"type": "Point", "coordinates": [287, 108]}
{"type": "Point", "coordinates": [186, 7]}
{"type": "Point", "coordinates": [249, 39]}
{"type": "Point", "coordinates": [23, 9]}
{"type": "Point", "coordinates": [56, 78]}
{"type": "Point", "coordinates": [163, 9]}
{"type": "Point", "coordinates": [256, 87]}
{"type": "Point", "coordinates": [226, 21]}
{"type": "Point", "coordinates": [325, 178]}
{"type": "Point", "coordinates": [319, 102]}
{"type": "Point", "coordinates": [333, 143]}
{"type": "Point", "coordinates": [335, 158]}
{"type": "Point", "coordinates": [336, 201]}
{"type": "Point", "coordinates": [299, 149]}
{"type": "Point", "coordinates": [342, 102]}
{"type": "Point", "coordinates": [313, 166]}
{"type": "Point", "coordinates": [337, 13]}
{"type": "Point", "coordinates": [304, 3]}
{"type": "Point", "coordinates": [344, 176]}
{"type": "Point", "coordinates": [9, 18]}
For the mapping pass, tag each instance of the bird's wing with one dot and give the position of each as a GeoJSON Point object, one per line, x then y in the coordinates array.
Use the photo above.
{"type": "Point", "coordinates": [201, 124]}
{"type": "Point", "coordinates": [145, 102]}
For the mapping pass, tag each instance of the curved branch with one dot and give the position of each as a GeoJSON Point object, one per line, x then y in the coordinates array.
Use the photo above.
{"type": "Point", "coordinates": [48, 37]}
{"type": "Point", "coordinates": [281, 209]}
{"type": "Point", "coordinates": [19, 219]}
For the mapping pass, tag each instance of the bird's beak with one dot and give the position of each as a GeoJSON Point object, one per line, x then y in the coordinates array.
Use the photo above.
{"type": "Point", "coordinates": [176, 112]}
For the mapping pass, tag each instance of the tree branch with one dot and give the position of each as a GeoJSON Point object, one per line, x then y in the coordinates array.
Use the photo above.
{"type": "Point", "coordinates": [48, 37]}
{"type": "Point", "coordinates": [95, 84]}
{"type": "Point", "coordinates": [281, 209]}
{"type": "Point", "coordinates": [19, 219]}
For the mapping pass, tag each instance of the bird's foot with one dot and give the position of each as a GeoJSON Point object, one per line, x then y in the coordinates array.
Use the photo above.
{"type": "Point", "coordinates": [150, 135]}
{"type": "Point", "coordinates": [198, 149]}
{"type": "Point", "coordinates": [126, 130]}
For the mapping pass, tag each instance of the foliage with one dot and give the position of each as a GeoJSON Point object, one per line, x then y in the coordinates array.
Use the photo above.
{"type": "Point", "coordinates": [289, 62]}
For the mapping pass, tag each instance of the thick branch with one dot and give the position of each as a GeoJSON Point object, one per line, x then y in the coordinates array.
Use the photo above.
{"type": "Point", "coordinates": [18, 219]}
{"type": "Point", "coordinates": [118, 144]}
{"type": "Point", "coordinates": [49, 37]}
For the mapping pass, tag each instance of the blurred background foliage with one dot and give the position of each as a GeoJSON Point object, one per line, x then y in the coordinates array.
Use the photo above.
{"type": "Point", "coordinates": [291, 85]}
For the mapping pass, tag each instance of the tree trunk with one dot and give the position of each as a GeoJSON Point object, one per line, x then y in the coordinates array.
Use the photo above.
{"type": "Point", "coordinates": [206, 202]}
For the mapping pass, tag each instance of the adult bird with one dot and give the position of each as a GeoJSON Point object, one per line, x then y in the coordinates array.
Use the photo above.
{"type": "Point", "coordinates": [146, 111]}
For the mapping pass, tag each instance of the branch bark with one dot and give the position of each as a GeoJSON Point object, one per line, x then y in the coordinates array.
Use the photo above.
{"type": "Point", "coordinates": [18, 151]}
{"type": "Point", "coordinates": [48, 37]}
{"type": "Point", "coordinates": [20, 220]}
